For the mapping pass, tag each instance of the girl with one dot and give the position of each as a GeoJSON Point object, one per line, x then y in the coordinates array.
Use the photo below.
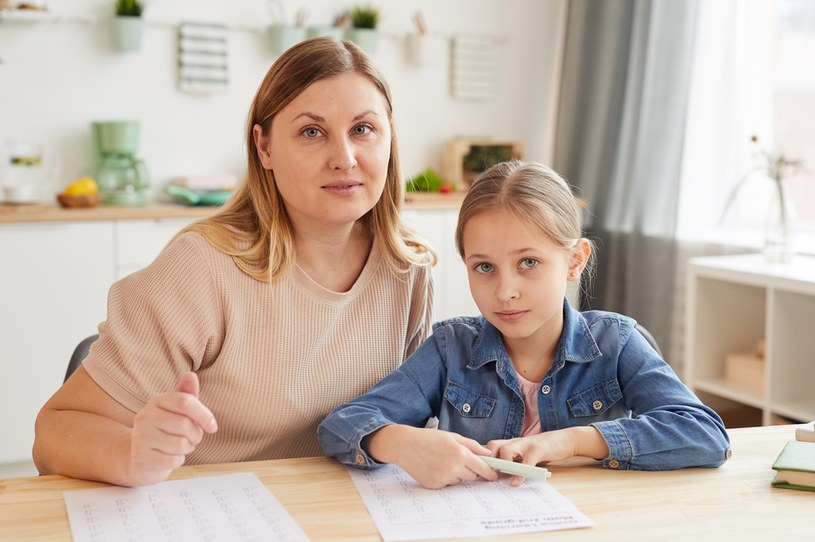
{"type": "Point", "coordinates": [252, 325]}
{"type": "Point", "coordinates": [532, 379]}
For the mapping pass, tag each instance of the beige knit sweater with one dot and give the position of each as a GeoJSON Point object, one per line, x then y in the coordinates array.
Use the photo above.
{"type": "Point", "coordinates": [272, 361]}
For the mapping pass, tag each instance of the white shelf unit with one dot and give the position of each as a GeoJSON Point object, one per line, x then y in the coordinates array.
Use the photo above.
{"type": "Point", "coordinates": [733, 302]}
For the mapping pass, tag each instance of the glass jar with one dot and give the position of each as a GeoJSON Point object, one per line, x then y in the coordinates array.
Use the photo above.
{"type": "Point", "coordinates": [779, 239]}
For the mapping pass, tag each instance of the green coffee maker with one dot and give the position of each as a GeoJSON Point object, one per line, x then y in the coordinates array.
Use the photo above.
{"type": "Point", "coordinates": [121, 176]}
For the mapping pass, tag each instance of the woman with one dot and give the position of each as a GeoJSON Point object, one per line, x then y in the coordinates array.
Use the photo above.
{"type": "Point", "coordinates": [252, 325]}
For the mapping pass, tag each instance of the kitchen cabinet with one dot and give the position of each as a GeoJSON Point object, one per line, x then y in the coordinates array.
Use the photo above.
{"type": "Point", "coordinates": [139, 241]}
{"type": "Point", "coordinates": [733, 303]}
{"type": "Point", "coordinates": [54, 279]}
{"type": "Point", "coordinates": [452, 291]}
{"type": "Point", "coordinates": [55, 274]}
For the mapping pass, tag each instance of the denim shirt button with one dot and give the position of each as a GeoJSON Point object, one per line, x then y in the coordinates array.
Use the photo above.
{"type": "Point", "coordinates": [465, 408]}
{"type": "Point", "coordinates": [546, 389]}
{"type": "Point", "coordinates": [728, 453]}
{"type": "Point", "coordinates": [597, 405]}
{"type": "Point", "coordinates": [359, 458]}
{"type": "Point", "coordinates": [614, 464]}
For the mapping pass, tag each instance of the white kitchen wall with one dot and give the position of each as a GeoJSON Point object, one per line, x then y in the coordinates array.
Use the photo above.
{"type": "Point", "coordinates": [57, 76]}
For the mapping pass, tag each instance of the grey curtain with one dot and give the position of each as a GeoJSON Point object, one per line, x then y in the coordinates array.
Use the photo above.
{"type": "Point", "coordinates": [621, 111]}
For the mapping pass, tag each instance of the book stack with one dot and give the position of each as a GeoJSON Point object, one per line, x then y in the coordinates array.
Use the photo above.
{"type": "Point", "coordinates": [806, 433]}
{"type": "Point", "coordinates": [795, 465]}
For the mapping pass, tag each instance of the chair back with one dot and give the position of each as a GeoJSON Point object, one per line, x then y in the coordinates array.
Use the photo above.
{"type": "Point", "coordinates": [80, 352]}
{"type": "Point", "coordinates": [650, 338]}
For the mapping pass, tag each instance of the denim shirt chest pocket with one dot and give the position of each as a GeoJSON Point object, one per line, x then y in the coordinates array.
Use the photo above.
{"type": "Point", "coordinates": [468, 403]}
{"type": "Point", "coordinates": [596, 401]}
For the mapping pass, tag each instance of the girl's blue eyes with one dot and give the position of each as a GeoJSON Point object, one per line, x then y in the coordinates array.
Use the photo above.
{"type": "Point", "coordinates": [359, 129]}
{"type": "Point", "coordinates": [526, 263]}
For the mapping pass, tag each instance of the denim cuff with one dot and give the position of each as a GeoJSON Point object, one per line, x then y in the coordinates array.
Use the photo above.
{"type": "Point", "coordinates": [357, 455]}
{"type": "Point", "coordinates": [620, 451]}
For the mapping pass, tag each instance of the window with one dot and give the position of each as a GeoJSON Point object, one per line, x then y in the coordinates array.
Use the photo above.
{"type": "Point", "coordinates": [753, 75]}
{"type": "Point", "coordinates": [794, 99]}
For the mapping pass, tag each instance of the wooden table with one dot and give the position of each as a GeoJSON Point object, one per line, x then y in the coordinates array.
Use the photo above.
{"type": "Point", "coordinates": [734, 502]}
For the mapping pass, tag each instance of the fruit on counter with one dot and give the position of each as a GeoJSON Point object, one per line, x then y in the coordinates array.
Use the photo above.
{"type": "Point", "coordinates": [83, 186]}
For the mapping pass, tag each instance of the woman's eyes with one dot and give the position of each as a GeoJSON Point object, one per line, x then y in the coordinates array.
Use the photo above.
{"type": "Point", "coordinates": [529, 263]}
{"type": "Point", "coordinates": [483, 267]}
{"type": "Point", "coordinates": [362, 129]}
{"type": "Point", "coordinates": [312, 132]}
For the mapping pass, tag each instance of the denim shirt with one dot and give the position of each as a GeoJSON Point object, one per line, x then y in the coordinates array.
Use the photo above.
{"type": "Point", "coordinates": [605, 374]}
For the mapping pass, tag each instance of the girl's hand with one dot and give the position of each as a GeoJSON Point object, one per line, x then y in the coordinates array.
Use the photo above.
{"type": "Point", "coordinates": [550, 446]}
{"type": "Point", "coordinates": [168, 428]}
{"type": "Point", "coordinates": [434, 458]}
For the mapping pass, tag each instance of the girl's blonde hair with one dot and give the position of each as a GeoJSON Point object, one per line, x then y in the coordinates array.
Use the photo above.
{"type": "Point", "coordinates": [253, 227]}
{"type": "Point", "coordinates": [533, 192]}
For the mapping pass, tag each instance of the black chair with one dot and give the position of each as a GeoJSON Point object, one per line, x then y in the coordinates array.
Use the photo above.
{"type": "Point", "coordinates": [650, 338]}
{"type": "Point", "coordinates": [80, 352]}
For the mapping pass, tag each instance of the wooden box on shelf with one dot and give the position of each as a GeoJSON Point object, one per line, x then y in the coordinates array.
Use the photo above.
{"type": "Point", "coordinates": [463, 159]}
{"type": "Point", "coordinates": [745, 370]}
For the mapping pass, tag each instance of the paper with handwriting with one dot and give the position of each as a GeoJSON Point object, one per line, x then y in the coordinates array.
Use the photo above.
{"type": "Point", "coordinates": [229, 507]}
{"type": "Point", "coordinates": [404, 510]}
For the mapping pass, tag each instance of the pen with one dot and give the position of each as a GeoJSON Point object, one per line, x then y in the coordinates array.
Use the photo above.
{"type": "Point", "coordinates": [516, 469]}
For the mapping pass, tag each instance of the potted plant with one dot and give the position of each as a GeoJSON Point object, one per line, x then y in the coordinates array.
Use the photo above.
{"type": "Point", "coordinates": [336, 30]}
{"type": "Point", "coordinates": [127, 26]}
{"type": "Point", "coordinates": [362, 30]}
{"type": "Point", "coordinates": [281, 33]}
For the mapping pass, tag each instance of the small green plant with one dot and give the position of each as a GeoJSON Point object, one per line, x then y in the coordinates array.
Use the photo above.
{"type": "Point", "coordinates": [427, 181]}
{"type": "Point", "coordinates": [364, 16]}
{"type": "Point", "coordinates": [128, 8]}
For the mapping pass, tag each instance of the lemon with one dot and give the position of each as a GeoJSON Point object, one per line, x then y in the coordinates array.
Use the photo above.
{"type": "Point", "coordinates": [83, 186]}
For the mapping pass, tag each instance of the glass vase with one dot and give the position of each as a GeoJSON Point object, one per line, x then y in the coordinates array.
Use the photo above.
{"type": "Point", "coordinates": [779, 242]}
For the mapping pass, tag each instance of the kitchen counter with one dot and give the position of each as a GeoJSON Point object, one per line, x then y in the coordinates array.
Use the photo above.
{"type": "Point", "coordinates": [55, 213]}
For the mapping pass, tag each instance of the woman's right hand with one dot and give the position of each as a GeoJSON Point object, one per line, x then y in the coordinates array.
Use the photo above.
{"type": "Point", "coordinates": [168, 428]}
{"type": "Point", "coordinates": [81, 419]}
{"type": "Point", "coordinates": [432, 457]}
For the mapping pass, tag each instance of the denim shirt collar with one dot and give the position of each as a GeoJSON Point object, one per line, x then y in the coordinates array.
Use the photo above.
{"type": "Point", "coordinates": [577, 344]}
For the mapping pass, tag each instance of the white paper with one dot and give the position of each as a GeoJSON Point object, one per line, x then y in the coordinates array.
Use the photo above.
{"type": "Point", "coordinates": [404, 510]}
{"type": "Point", "coordinates": [230, 507]}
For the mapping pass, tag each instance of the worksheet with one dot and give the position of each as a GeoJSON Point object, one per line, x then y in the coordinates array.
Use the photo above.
{"type": "Point", "coordinates": [404, 510]}
{"type": "Point", "coordinates": [229, 507]}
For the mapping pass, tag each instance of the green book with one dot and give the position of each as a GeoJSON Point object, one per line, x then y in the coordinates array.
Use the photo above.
{"type": "Point", "coordinates": [795, 466]}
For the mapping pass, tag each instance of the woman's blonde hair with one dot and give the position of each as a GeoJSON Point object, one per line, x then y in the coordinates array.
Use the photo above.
{"type": "Point", "coordinates": [253, 226]}
{"type": "Point", "coordinates": [533, 192]}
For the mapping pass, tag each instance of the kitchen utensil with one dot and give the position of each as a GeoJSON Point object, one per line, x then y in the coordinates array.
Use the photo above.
{"type": "Point", "coordinates": [27, 172]}
{"type": "Point", "coordinates": [122, 177]}
{"type": "Point", "coordinates": [188, 196]}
